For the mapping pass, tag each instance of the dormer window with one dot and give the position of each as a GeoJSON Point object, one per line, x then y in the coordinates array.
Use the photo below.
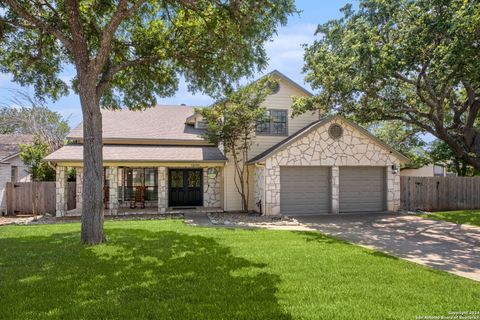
{"type": "Point", "coordinates": [201, 124]}
{"type": "Point", "coordinates": [276, 123]}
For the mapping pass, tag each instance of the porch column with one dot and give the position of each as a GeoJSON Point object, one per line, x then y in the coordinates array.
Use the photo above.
{"type": "Point", "coordinates": [335, 191]}
{"type": "Point", "coordinates": [272, 188]}
{"type": "Point", "coordinates": [79, 188]}
{"type": "Point", "coordinates": [112, 177]}
{"type": "Point", "coordinates": [60, 191]}
{"type": "Point", "coordinates": [211, 187]}
{"type": "Point", "coordinates": [162, 189]}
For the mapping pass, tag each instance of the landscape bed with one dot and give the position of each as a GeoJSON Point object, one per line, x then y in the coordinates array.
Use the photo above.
{"type": "Point", "coordinates": [169, 270]}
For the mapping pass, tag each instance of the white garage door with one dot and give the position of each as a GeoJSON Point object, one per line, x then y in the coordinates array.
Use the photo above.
{"type": "Point", "coordinates": [362, 189]}
{"type": "Point", "coordinates": [304, 190]}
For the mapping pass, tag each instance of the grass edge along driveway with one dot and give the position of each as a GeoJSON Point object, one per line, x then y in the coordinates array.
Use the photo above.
{"type": "Point", "coordinates": [470, 217]}
{"type": "Point", "coordinates": [169, 270]}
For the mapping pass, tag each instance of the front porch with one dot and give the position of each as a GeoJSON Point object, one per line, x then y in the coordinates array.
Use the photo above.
{"type": "Point", "coordinates": [131, 190]}
{"type": "Point", "coordinates": [77, 212]}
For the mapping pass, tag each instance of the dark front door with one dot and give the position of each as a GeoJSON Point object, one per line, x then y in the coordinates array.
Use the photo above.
{"type": "Point", "coordinates": [185, 187]}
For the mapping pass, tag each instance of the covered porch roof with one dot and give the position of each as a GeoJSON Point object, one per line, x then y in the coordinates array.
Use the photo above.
{"type": "Point", "coordinates": [142, 153]}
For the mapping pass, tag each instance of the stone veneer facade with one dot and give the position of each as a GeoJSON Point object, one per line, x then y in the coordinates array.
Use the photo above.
{"type": "Point", "coordinates": [162, 189]}
{"type": "Point", "coordinates": [112, 178]}
{"type": "Point", "coordinates": [212, 189]}
{"type": "Point", "coordinates": [79, 187]}
{"type": "Point", "coordinates": [61, 191]}
{"type": "Point", "coordinates": [317, 148]}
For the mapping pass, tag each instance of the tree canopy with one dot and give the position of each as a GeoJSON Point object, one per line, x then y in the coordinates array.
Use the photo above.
{"type": "Point", "coordinates": [441, 153]}
{"type": "Point", "coordinates": [136, 49]}
{"type": "Point", "coordinates": [231, 124]}
{"type": "Point", "coordinates": [126, 53]}
{"type": "Point", "coordinates": [417, 62]}
{"type": "Point", "coordinates": [32, 156]}
{"type": "Point", "coordinates": [405, 139]}
{"type": "Point", "coordinates": [34, 118]}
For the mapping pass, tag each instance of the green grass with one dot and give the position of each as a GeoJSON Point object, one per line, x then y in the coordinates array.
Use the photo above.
{"type": "Point", "coordinates": [168, 270]}
{"type": "Point", "coordinates": [461, 216]}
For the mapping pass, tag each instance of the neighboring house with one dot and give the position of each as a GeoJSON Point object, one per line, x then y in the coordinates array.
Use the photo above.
{"type": "Point", "coordinates": [12, 168]}
{"type": "Point", "coordinates": [304, 165]}
{"type": "Point", "coordinates": [429, 170]}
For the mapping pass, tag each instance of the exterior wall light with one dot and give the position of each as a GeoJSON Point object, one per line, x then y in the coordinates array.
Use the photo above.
{"type": "Point", "coordinates": [394, 169]}
{"type": "Point", "coordinates": [212, 173]}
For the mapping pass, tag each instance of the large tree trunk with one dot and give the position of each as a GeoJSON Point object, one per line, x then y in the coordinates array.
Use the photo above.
{"type": "Point", "coordinates": [92, 207]}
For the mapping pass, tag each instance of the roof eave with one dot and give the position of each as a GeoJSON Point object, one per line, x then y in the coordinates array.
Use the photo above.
{"type": "Point", "coordinates": [287, 142]}
{"type": "Point", "coordinates": [137, 160]}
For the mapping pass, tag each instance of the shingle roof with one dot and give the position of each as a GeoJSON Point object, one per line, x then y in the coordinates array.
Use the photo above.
{"type": "Point", "coordinates": [156, 123]}
{"type": "Point", "coordinates": [138, 153]}
{"type": "Point", "coordinates": [9, 144]}
{"type": "Point", "coordinates": [272, 150]}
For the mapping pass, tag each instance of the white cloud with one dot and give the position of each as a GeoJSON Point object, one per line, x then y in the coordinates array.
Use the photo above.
{"type": "Point", "coordinates": [286, 51]}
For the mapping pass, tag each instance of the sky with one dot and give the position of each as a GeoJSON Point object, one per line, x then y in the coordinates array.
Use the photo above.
{"type": "Point", "coordinates": [285, 53]}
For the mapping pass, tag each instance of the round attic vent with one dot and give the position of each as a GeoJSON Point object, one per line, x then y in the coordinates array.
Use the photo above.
{"type": "Point", "coordinates": [275, 87]}
{"type": "Point", "coordinates": [335, 131]}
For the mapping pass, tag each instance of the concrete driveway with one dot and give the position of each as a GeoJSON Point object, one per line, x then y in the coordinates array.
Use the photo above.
{"type": "Point", "coordinates": [442, 245]}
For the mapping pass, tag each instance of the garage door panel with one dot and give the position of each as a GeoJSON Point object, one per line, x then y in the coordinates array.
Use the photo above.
{"type": "Point", "coordinates": [362, 189]}
{"type": "Point", "coordinates": [304, 190]}
{"type": "Point", "coordinates": [294, 189]}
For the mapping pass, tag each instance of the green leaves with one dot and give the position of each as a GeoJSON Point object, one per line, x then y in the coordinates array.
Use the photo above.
{"type": "Point", "coordinates": [405, 139]}
{"type": "Point", "coordinates": [231, 122]}
{"type": "Point", "coordinates": [210, 44]}
{"type": "Point", "coordinates": [417, 62]}
{"type": "Point", "coordinates": [32, 156]}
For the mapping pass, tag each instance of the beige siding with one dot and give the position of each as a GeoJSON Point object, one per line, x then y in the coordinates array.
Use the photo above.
{"type": "Point", "coordinates": [425, 171]}
{"type": "Point", "coordinates": [232, 200]}
{"type": "Point", "coordinates": [282, 100]}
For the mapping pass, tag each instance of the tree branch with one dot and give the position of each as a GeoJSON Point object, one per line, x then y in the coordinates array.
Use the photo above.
{"type": "Point", "coordinates": [110, 71]}
{"type": "Point", "coordinates": [24, 14]}
{"type": "Point", "coordinates": [109, 32]}
{"type": "Point", "coordinates": [428, 102]}
{"type": "Point", "coordinates": [79, 42]}
{"type": "Point", "coordinates": [17, 24]}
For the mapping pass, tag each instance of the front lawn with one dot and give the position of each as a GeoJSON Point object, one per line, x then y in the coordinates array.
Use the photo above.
{"type": "Point", "coordinates": [461, 216]}
{"type": "Point", "coordinates": [168, 270]}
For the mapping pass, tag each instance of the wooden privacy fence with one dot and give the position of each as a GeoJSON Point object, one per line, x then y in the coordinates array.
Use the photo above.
{"type": "Point", "coordinates": [439, 193]}
{"type": "Point", "coordinates": [21, 196]}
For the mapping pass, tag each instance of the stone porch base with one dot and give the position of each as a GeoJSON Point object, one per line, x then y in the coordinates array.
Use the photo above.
{"type": "Point", "coordinates": [149, 211]}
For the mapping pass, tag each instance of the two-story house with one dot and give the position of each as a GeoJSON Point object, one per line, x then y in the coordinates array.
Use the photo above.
{"type": "Point", "coordinates": [308, 164]}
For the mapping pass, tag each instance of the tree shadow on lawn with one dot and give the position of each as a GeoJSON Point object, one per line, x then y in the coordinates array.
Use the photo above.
{"type": "Point", "coordinates": [137, 274]}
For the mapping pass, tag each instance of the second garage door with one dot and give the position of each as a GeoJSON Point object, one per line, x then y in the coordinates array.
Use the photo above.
{"type": "Point", "coordinates": [362, 189]}
{"type": "Point", "coordinates": [304, 190]}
